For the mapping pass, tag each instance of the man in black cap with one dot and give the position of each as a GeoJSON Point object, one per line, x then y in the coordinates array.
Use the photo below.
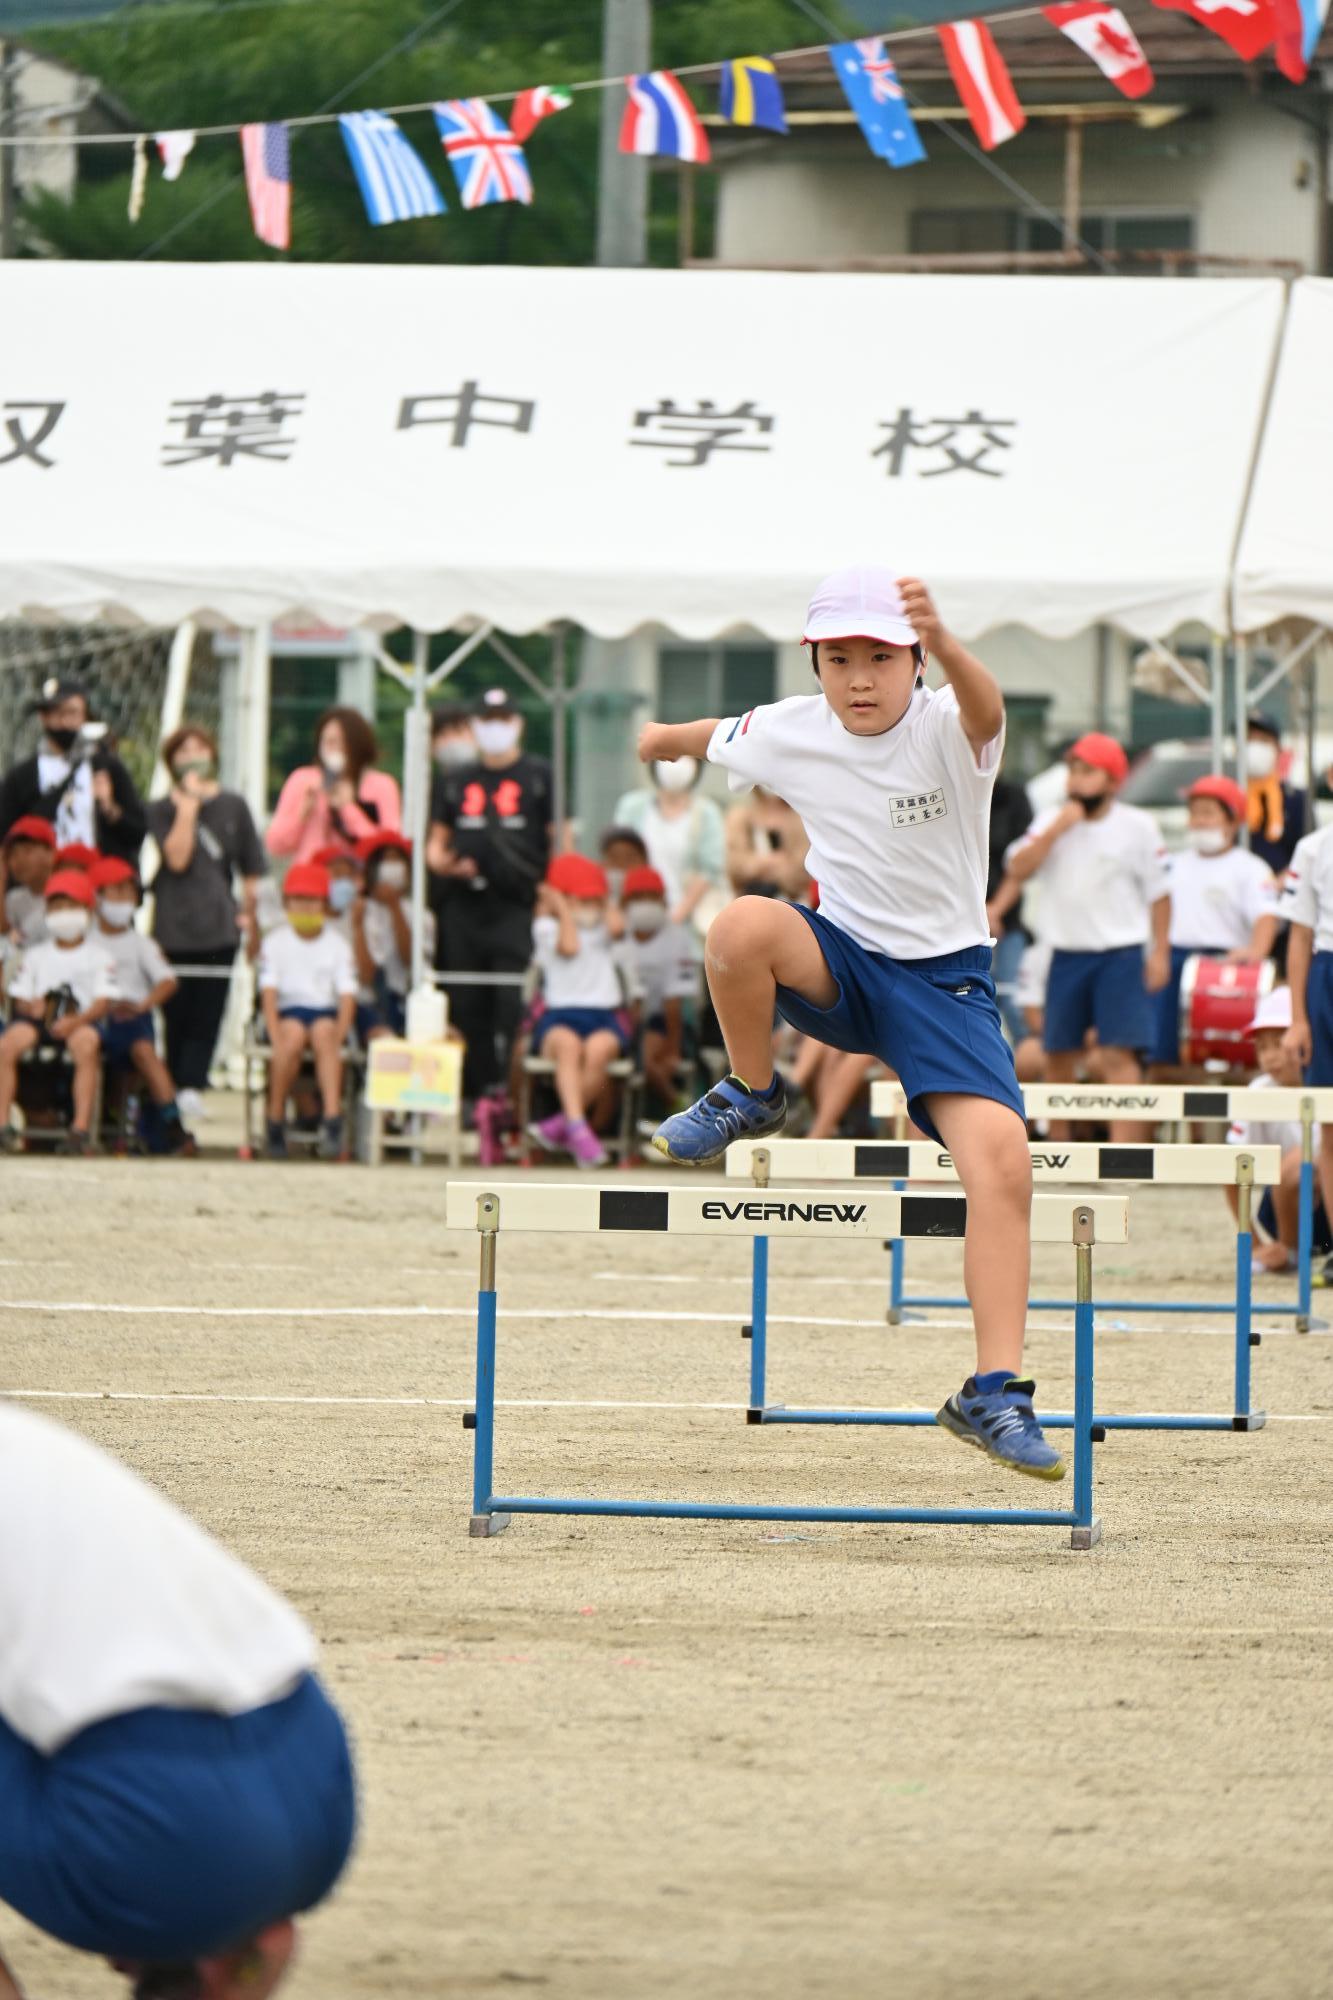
{"type": "Point", "coordinates": [1277, 810]}
{"type": "Point", "coordinates": [490, 842]}
{"type": "Point", "coordinates": [79, 785]}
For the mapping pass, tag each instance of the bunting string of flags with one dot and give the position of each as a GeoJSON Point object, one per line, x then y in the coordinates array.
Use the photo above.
{"type": "Point", "coordinates": [489, 164]}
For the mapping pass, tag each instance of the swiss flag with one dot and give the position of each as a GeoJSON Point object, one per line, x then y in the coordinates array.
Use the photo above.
{"type": "Point", "coordinates": [982, 81]}
{"type": "Point", "coordinates": [1247, 26]}
{"type": "Point", "coordinates": [1104, 34]}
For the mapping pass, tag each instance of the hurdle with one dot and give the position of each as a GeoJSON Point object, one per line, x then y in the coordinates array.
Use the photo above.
{"type": "Point", "coordinates": [897, 1161]}
{"type": "Point", "coordinates": [714, 1213]}
{"type": "Point", "coordinates": [1154, 1104]}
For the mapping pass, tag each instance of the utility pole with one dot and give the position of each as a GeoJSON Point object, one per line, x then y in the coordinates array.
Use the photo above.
{"type": "Point", "coordinates": [622, 179]}
{"type": "Point", "coordinates": [8, 125]}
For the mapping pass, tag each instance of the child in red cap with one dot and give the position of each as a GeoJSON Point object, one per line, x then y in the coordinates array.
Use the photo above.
{"type": "Point", "coordinates": [1105, 912]}
{"type": "Point", "coordinates": [144, 982]}
{"type": "Point", "coordinates": [663, 979]}
{"type": "Point", "coordinates": [580, 1028]}
{"type": "Point", "coordinates": [307, 987]}
{"type": "Point", "coordinates": [29, 861]}
{"type": "Point", "coordinates": [62, 990]}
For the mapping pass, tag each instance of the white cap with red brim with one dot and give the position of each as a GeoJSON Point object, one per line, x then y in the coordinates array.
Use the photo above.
{"type": "Point", "coordinates": [1273, 1012]}
{"type": "Point", "coordinates": [861, 603]}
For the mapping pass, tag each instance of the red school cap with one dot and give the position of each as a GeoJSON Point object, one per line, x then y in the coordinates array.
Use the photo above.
{"type": "Point", "coordinates": [1103, 753]}
{"type": "Point", "coordinates": [110, 870]}
{"type": "Point", "coordinates": [69, 882]}
{"type": "Point", "coordinates": [305, 879]}
{"type": "Point", "coordinates": [30, 827]}
{"type": "Point", "coordinates": [575, 875]}
{"type": "Point", "coordinates": [324, 857]}
{"type": "Point", "coordinates": [1225, 790]}
{"type": "Point", "coordinates": [76, 855]}
{"type": "Point", "coordinates": [642, 882]}
{"type": "Point", "coordinates": [373, 842]}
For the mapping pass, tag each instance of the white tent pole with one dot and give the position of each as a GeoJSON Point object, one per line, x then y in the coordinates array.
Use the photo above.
{"type": "Point", "coordinates": [256, 673]}
{"type": "Point", "coordinates": [560, 746]}
{"type": "Point", "coordinates": [1242, 719]}
{"type": "Point", "coordinates": [415, 788]}
{"type": "Point", "coordinates": [1217, 676]}
{"type": "Point", "coordinates": [173, 700]}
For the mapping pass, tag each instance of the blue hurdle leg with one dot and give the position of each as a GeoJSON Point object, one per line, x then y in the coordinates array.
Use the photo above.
{"type": "Point", "coordinates": [758, 1329]}
{"type": "Point", "coordinates": [1305, 1245]}
{"type": "Point", "coordinates": [1245, 1418]}
{"type": "Point", "coordinates": [485, 1519]}
{"type": "Point", "coordinates": [1087, 1529]}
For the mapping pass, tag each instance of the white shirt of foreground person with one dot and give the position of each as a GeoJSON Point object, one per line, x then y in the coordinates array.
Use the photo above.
{"type": "Point", "coordinates": [112, 1600]}
{"type": "Point", "coordinates": [1100, 880]}
{"type": "Point", "coordinates": [306, 972]}
{"type": "Point", "coordinates": [899, 823]}
{"type": "Point", "coordinates": [1307, 896]}
{"type": "Point", "coordinates": [1217, 899]}
{"type": "Point", "coordinates": [88, 970]}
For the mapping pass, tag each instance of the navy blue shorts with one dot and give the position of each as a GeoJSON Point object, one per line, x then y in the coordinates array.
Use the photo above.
{"type": "Point", "coordinates": [1165, 1045]}
{"type": "Point", "coordinates": [170, 1834]}
{"type": "Point", "coordinates": [1097, 989]}
{"type": "Point", "coordinates": [934, 1021]}
{"type": "Point", "coordinates": [307, 1015]}
{"type": "Point", "coordinates": [584, 1021]}
{"type": "Point", "coordinates": [119, 1037]}
{"type": "Point", "coordinates": [1319, 1007]}
{"type": "Point", "coordinates": [390, 1013]}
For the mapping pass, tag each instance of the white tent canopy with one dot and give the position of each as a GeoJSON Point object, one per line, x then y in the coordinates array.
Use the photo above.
{"type": "Point", "coordinates": [426, 446]}
{"type": "Point", "coordinates": [1284, 565]}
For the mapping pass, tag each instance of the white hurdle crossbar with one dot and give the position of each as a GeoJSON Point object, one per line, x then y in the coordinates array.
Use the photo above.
{"type": "Point", "coordinates": [721, 1213]}
{"type": "Point", "coordinates": [842, 1160]}
{"type": "Point", "coordinates": [1154, 1104]}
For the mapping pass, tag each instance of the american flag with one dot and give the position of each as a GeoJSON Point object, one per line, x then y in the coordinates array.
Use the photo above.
{"type": "Point", "coordinates": [268, 178]}
{"type": "Point", "coordinates": [487, 160]}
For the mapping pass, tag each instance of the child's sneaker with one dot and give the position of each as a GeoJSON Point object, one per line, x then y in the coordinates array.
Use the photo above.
{"type": "Point", "coordinates": [275, 1140]}
{"type": "Point", "coordinates": [551, 1134]}
{"type": "Point", "coordinates": [1001, 1422]}
{"type": "Point", "coordinates": [730, 1111]}
{"type": "Point", "coordinates": [585, 1145]}
{"type": "Point", "coordinates": [330, 1144]}
{"type": "Point", "coordinates": [11, 1139]}
{"type": "Point", "coordinates": [76, 1145]}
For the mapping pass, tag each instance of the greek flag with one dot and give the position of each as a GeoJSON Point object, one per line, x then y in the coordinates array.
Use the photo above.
{"type": "Point", "coordinates": [394, 183]}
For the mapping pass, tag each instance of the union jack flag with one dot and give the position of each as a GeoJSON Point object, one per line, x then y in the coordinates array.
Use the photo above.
{"type": "Point", "coordinates": [487, 160]}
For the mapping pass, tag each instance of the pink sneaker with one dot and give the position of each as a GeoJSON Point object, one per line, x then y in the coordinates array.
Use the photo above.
{"type": "Point", "coordinates": [552, 1134]}
{"type": "Point", "coordinates": [585, 1145]}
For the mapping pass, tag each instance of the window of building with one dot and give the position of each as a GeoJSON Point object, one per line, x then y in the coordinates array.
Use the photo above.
{"type": "Point", "coordinates": [694, 681]}
{"type": "Point", "coordinates": [950, 232]}
{"type": "Point", "coordinates": [1113, 231]}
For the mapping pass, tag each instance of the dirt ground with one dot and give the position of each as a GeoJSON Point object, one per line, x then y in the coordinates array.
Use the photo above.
{"type": "Point", "coordinates": [618, 1760]}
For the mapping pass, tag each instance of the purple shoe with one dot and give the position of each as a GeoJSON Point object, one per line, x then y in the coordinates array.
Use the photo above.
{"type": "Point", "coordinates": [552, 1134]}
{"type": "Point", "coordinates": [585, 1145]}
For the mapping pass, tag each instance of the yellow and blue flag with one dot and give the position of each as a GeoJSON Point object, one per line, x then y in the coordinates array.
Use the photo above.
{"type": "Point", "coordinates": [752, 95]}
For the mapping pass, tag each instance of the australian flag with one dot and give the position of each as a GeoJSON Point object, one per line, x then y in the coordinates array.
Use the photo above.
{"type": "Point", "coordinates": [870, 85]}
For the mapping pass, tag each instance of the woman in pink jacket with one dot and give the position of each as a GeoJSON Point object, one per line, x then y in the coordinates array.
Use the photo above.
{"type": "Point", "coordinates": [340, 798]}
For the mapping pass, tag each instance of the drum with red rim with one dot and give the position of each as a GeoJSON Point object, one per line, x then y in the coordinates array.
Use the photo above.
{"type": "Point", "coordinates": [1217, 1003]}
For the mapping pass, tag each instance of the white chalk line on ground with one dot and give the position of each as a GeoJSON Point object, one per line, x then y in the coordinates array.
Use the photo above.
{"type": "Point", "coordinates": [430, 1402]}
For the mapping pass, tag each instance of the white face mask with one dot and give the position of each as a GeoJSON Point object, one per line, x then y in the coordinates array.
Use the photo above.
{"type": "Point", "coordinates": [1260, 758]}
{"type": "Point", "coordinates": [394, 875]}
{"type": "Point", "coordinates": [68, 926]}
{"type": "Point", "coordinates": [452, 752]}
{"type": "Point", "coordinates": [342, 894]}
{"type": "Point", "coordinates": [119, 916]}
{"type": "Point", "coordinates": [645, 918]}
{"type": "Point", "coordinates": [677, 776]}
{"type": "Point", "coordinates": [494, 738]}
{"type": "Point", "coordinates": [587, 915]}
{"type": "Point", "coordinates": [1209, 839]}
{"type": "Point", "coordinates": [333, 761]}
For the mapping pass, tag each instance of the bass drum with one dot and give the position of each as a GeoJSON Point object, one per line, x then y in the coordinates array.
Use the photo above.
{"type": "Point", "coordinates": [1217, 1003]}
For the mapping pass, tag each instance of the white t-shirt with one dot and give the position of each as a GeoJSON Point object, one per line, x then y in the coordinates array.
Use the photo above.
{"type": "Point", "coordinates": [1284, 1132]}
{"type": "Point", "coordinates": [112, 1600]}
{"type": "Point", "coordinates": [899, 823]}
{"type": "Point", "coordinates": [1307, 895]}
{"type": "Point", "coordinates": [1217, 899]}
{"type": "Point", "coordinates": [76, 815]}
{"type": "Point", "coordinates": [25, 912]}
{"type": "Point", "coordinates": [306, 972]}
{"type": "Point", "coordinates": [86, 968]}
{"type": "Point", "coordinates": [382, 944]}
{"type": "Point", "coordinates": [659, 968]}
{"type": "Point", "coordinates": [668, 843]}
{"type": "Point", "coordinates": [1100, 880]}
{"type": "Point", "coordinates": [586, 980]}
{"type": "Point", "coordinates": [140, 963]}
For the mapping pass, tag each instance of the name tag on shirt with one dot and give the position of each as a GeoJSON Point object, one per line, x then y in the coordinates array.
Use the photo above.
{"type": "Point", "coordinates": [918, 806]}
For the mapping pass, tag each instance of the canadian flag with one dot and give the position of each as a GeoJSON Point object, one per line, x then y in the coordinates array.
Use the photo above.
{"type": "Point", "coordinates": [1104, 34]}
{"type": "Point", "coordinates": [982, 81]}
{"type": "Point", "coordinates": [1247, 26]}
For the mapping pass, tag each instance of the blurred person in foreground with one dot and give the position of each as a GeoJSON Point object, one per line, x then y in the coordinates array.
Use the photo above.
{"type": "Point", "coordinates": [177, 1785]}
{"type": "Point", "coordinates": [79, 785]}
{"type": "Point", "coordinates": [209, 845]}
{"type": "Point", "coordinates": [341, 798]}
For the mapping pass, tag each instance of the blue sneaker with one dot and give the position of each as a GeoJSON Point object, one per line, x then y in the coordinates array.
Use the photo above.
{"type": "Point", "coordinates": [1004, 1426]}
{"type": "Point", "coordinates": [728, 1111]}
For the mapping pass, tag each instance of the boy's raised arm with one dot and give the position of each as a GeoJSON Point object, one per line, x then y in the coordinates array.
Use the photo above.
{"type": "Point", "coordinates": [980, 702]}
{"type": "Point", "coordinates": [663, 742]}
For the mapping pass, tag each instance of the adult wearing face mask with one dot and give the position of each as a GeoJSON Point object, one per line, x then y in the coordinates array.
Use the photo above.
{"type": "Point", "coordinates": [684, 835]}
{"type": "Point", "coordinates": [1276, 811]}
{"type": "Point", "coordinates": [1104, 905]}
{"type": "Point", "coordinates": [490, 843]}
{"type": "Point", "coordinates": [90, 799]}
{"type": "Point", "coordinates": [340, 798]}
{"type": "Point", "coordinates": [208, 842]}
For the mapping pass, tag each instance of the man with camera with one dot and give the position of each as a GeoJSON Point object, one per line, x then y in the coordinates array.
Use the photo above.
{"type": "Point", "coordinates": [75, 780]}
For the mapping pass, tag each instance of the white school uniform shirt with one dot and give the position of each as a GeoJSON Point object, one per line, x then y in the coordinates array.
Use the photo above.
{"type": "Point", "coordinates": [86, 968]}
{"type": "Point", "coordinates": [382, 945]}
{"type": "Point", "coordinates": [899, 823]}
{"type": "Point", "coordinates": [659, 968]}
{"type": "Point", "coordinates": [1283, 1132]}
{"type": "Point", "coordinates": [140, 962]}
{"type": "Point", "coordinates": [306, 972]}
{"type": "Point", "coordinates": [1307, 895]}
{"type": "Point", "coordinates": [25, 912]}
{"type": "Point", "coordinates": [112, 1600]}
{"type": "Point", "coordinates": [588, 979]}
{"type": "Point", "coordinates": [1217, 899]}
{"type": "Point", "coordinates": [1100, 880]}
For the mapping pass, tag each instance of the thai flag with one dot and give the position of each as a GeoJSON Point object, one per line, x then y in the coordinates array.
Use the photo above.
{"type": "Point", "coordinates": [982, 81]}
{"type": "Point", "coordinates": [1300, 23]}
{"type": "Point", "coordinates": [393, 181]}
{"type": "Point", "coordinates": [660, 120]}
{"type": "Point", "coordinates": [487, 159]}
{"type": "Point", "coordinates": [268, 182]}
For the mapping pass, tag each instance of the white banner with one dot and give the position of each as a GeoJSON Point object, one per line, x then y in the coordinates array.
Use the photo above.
{"type": "Point", "coordinates": [424, 445]}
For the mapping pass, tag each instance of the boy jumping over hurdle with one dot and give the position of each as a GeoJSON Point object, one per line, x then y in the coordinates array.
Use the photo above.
{"type": "Point", "coordinates": [893, 782]}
